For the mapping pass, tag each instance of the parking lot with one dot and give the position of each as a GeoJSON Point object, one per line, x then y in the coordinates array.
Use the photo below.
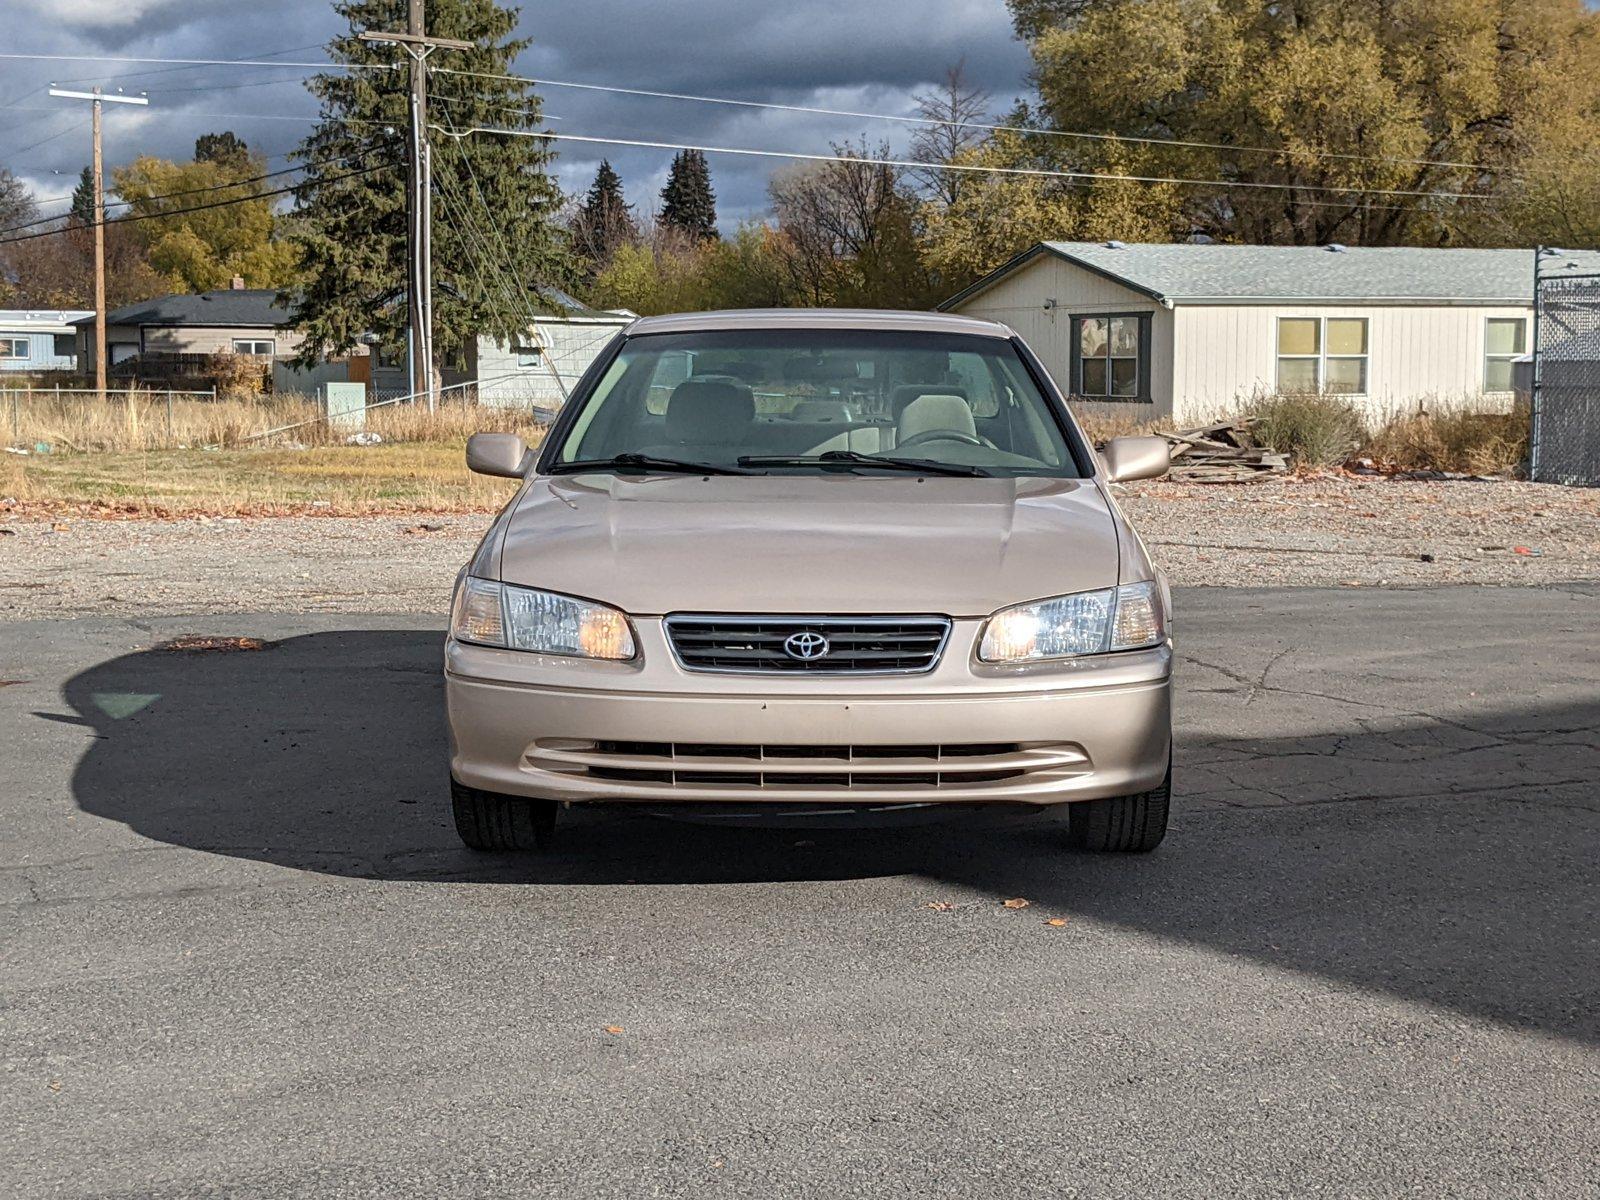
{"type": "Point", "coordinates": [246, 956]}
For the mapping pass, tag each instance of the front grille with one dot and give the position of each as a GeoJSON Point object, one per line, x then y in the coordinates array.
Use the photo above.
{"type": "Point", "coordinates": [855, 645]}
{"type": "Point", "coordinates": [702, 765]}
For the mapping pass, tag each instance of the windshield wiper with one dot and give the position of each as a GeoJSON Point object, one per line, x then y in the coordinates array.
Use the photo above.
{"type": "Point", "coordinates": [645, 462]}
{"type": "Point", "coordinates": [855, 458]}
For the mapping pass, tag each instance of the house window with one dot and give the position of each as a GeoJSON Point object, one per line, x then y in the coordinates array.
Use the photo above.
{"type": "Point", "coordinates": [66, 345]}
{"type": "Point", "coordinates": [1323, 354]}
{"type": "Point", "coordinates": [529, 356]}
{"type": "Point", "coordinates": [1111, 357]}
{"type": "Point", "coordinates": [1505, 340]}
{"type": "Point", "coordinates": [263, 347]}
{"type": "Point", "coordinates": [13, 347]}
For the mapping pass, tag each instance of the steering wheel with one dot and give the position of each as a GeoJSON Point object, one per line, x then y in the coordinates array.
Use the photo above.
{"type": "Point", "coordinates": [940, 435]}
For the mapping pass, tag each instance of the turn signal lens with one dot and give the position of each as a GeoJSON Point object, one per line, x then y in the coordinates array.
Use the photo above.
{"type": "Point", "coordinates": [477, 616]}
{"type": "Point", "coordinates": [1138, 617]}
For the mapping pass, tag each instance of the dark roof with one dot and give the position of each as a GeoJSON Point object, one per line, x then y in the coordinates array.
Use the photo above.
{"type": "Point", "coordinates": [243, 306]}
{"type": "Point", "coordinates": [1214, 273]}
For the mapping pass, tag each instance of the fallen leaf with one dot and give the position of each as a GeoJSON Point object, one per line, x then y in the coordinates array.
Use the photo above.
{"type": "Point", "coordinates": [60, 527]}
{"type": "Point", "coordinates": [55, 1085]}
{"type": "Point", "coordinates": [12, 682]}
{"type": "Point", "coordinates": [1056, 921]}
{"type": "Point", "coordinates": [613, 1029]}
{"type": "Point", "coordinates": [940, 905]}
{"type": "Point", "coordinates": [1018, 902]}
{"type": "Point", "coordinates": [202, 642]}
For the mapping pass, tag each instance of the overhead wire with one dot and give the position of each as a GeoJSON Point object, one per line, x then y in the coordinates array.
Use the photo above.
{"type": "Point", "coordinates": [967, 168]}
{"type": "Point", "coordinates": [178, 212]}
{"type": "Point", "coordinates": [816, 110]}
{"type": "Point", "coordinates": [216, 187]}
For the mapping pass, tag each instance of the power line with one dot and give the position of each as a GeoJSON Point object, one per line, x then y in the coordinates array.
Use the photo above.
{"type": "Point", "coordinates": [178, 212]}
{"type": "Point", "coordinates": [814, 110]}
{"type": "Point", "coordinates": [970, 168]}
{"type": "Point", "coordinates": [75, 123]}
{"type": "Point", "coordinates": [199, 62]}
{"type": "Point", "coordinates": [215, 187]}
{"type": "Point", "coordinates": [192, 67]}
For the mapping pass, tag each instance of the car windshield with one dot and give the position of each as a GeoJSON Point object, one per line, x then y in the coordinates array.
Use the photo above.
{"type": "Point", "coordinates": [817, 400]}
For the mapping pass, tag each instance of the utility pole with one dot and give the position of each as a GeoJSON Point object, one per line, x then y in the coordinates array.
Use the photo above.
{"type": "Point", "coordinates": [419, 196]}
{"type": "Point", "coordinates": [99, 229]}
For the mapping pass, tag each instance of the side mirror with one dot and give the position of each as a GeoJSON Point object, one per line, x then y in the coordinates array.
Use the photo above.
{"type": "Point", "coordinates": [496, 454]}
{"type": "Point", "coordinates": [1128, 458]}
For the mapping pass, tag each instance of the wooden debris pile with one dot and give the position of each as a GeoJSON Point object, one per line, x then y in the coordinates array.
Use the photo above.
{"type": "Point", "coordinates": [1224, 452]}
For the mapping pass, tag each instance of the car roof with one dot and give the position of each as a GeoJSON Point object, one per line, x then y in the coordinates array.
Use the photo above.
{"type": "Point", "coordinates": [817, 318]}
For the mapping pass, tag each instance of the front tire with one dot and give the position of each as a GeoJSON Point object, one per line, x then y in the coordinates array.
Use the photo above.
{"type": "Point", "coordinates": [492, 822]}
{"type": "Point", "coordinates": [1122, 824]}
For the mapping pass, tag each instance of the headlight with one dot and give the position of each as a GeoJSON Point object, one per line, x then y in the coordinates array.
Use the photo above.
{"type": "Point", "coordinates": [518, 618]}
{"type": "Point", "coordinates": [1124, 618]}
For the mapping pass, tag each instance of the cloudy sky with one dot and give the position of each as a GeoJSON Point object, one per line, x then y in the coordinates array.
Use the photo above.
{"type": "Point", "coordinates": [863, 55]}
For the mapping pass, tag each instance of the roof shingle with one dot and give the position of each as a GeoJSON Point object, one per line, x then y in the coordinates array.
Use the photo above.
{"type": "Point", "coordinates": [1196, 273]}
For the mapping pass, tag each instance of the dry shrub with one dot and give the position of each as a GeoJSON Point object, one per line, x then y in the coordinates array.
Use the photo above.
{"type": "Point", "coordinates": [139, 420]}
{"type": "Point", "coordinates": [1453, 438]}
{"type": "Point", "coordinates": [238, 376]}
{"type": "Point", "coordinates": [1100, 423]}
{"type": "Point", "coordinates": [1313, 429]}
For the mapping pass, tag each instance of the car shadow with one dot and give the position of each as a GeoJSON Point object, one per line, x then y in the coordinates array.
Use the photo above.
{"type": "Point", "coordinates": [1455, 870]}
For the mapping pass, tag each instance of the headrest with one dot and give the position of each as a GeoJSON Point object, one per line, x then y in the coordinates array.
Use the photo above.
{"type": "Point", "coordinates": [821, 412]}
{"type": "Point", "coordinates": [905, 393]}
{"type": "Point", "coordinates": [944, 413]}
{"type": "Point", "coordinates": [709, 412]}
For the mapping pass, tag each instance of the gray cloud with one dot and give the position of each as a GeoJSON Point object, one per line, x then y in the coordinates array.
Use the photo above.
{"type": "Point", "coordinates": [830, 53]}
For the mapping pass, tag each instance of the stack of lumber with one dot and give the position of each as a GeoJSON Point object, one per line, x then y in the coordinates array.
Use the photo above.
{"type": "Point", "coordinates": [1224, 452]}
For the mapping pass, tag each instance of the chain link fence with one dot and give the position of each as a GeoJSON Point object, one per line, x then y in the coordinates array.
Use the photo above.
{"type": "Point", "coordinates": [1566, 380]}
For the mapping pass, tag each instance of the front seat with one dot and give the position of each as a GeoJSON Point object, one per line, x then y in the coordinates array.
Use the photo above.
{"type": "Point", "coordinates": [710, 412]}
{"type": "Point", "coordinates": [936, 414]}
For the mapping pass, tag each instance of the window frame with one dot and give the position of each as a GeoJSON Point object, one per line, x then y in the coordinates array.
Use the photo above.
{"type": "Point", "coordinates": [13, 341]}
{"type": "Point", "coordinates": [1322, 356]}
{"type": "Point", "coordinates": [70, 340]}
{"type": "Point", "coordinates": [1142, 391]}
{"type": "Point", "coordinates": [1490, 357]}
{"type": "Point", "coordinates": [270, 343]}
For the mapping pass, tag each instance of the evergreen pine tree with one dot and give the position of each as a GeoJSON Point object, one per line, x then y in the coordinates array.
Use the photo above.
{"type": "Point", "coordinates": [604, 220]}
{"type": "Point", "coordinates": [225, 148]}
{"type": "Point", "coordinates": [83, 199]}
{"type": "Point", "coordinates": [687, 202]}
{"type": "Point", "coordinates": [495, 237]}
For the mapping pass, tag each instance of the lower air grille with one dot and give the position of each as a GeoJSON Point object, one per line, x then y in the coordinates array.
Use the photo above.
{"type": "Point", "coordinates": [833, 767]}
{"type": "Point", "coordinates": [808, 645]}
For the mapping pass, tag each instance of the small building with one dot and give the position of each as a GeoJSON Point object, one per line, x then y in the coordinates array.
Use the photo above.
{"type": "Point", "coordinates": [539, 368]}
{"type": "Point", "coordinates": [1191, 331]}
{"type": "Point", "coordinates": [39, 339]}
{"type": "Point", "coordinates": [173, 328]}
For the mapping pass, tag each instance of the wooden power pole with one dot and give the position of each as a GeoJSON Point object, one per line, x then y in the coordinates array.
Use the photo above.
{"type": "Point", "coordinates": [419, 196]}
{"type": "Point", "coordinates": [97, 98]}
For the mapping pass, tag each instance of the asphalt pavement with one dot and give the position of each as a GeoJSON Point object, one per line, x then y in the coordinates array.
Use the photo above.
{"type": "Point", "coordinates": [244, 955]}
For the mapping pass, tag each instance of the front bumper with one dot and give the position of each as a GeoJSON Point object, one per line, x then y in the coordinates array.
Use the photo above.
{"type": "Point", "coordinates": [650, 732]}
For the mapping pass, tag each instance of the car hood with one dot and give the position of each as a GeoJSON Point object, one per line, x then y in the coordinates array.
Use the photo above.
{"type": "Point", "coordinates": [836, 543]}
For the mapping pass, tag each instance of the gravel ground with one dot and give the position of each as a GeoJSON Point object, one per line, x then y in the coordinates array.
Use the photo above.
{"type": "Point", "coordinates": [1290, 532]}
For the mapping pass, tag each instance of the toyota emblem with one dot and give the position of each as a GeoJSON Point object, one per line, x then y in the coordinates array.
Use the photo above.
{"type": "Point", "coordinates": [806, 646]}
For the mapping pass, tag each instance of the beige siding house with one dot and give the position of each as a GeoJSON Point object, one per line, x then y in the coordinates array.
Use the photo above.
{"type": "Point", "coordinates": [239, 320]}
{"type": "Point", "coordinates": [1191, 331]}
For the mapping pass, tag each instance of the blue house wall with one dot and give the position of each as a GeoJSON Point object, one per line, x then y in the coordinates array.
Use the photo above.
{"type": "Point", "coordinates": [36, 333]}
